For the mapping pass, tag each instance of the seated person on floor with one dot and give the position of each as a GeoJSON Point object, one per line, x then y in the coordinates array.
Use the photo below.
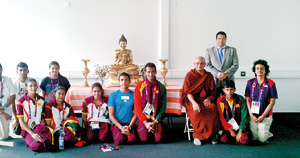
{"type": "Point", "coordinates": [60, 117]}
{"type": "Point", "coordinates": [30, 109]}
{"type": "Point", "coordinates": [233, 115]}
{"type": "Point", "coordinates": [150, 101]}
{"type": "Point", "coordinates": [260, 95]}
{"type": "Point", "coordinates": [198, 96]}
{"type": "Point", "coordinates": [95, 116]}
{"type": "Point", "coordinates": [7, 99]}
{"type": "Point", "coordinates": [121, 112]}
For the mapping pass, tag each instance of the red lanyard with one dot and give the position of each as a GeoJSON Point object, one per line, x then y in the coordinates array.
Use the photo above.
{"type": "Point", "coordinates": [34, 108]}
{"type": "Point", "coordinates": [99, 108]}
{"type": "Point", "coordinates": [52, 84]}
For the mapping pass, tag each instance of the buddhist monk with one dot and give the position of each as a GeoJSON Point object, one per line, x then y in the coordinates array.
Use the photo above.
{"type": "Point", "coordinates": [198, 96]}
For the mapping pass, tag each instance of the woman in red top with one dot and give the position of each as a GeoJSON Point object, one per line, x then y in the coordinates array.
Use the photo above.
{"type": "Point", "coordinates": [95, 116]}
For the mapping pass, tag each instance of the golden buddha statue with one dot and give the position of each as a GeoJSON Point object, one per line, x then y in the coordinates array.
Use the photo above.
{"type": "Point", "coordinates": [123, 63]}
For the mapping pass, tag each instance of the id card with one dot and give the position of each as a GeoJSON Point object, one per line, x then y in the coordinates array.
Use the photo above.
{"type": "Point", "coordinates": [33, 124]}
{"type": "Point", "coordinates": [233, 123]}
{"type": "Point", "coordinates": [125, 98]}
{"type": "Point", "coordinates": [255, 107]}
{"type": "Point", "coordinates": [148, 109]}
{"type": "Point", "coordinates": [94, 125]}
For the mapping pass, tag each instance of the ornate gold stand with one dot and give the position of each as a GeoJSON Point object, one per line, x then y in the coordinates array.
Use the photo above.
{"type": "Point", "coordinates": [85, 72]}
{"type": "Point", "coordinates": [164, 70]}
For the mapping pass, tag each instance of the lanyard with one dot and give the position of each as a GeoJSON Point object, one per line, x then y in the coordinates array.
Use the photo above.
{"type": "Point", "coordinates": [34, 108]}
{"type": "Point", "coordinates": [99, 108]}
{"type": "Point", "coordinates": [233, 111]}
{"type": "Point", "coordinates": [52, 84]}
{"type": "Point", "coordinates": [20, 92]}
{"type": "Point", "coordinates": [63, 112]}
{"type": "Point", "coordinates": [260, 93]}
{"type": "Point", "coordinates": [2, 90]}
{"type": "Point", "coordinates": [19, 87]}
{"type": "Point", "coordinates": [153, 94]}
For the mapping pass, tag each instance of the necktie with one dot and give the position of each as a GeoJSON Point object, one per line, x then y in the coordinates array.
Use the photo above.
{"type": "Point", "coordinates": [221, 54]}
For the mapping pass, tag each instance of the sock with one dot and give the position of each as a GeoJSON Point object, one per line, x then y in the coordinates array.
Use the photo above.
{"type": "Point", "coordinates": [197, 141]}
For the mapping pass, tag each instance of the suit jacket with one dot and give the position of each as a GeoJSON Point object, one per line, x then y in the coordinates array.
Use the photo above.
{"type": "Point", "coordinates": [230, 63]}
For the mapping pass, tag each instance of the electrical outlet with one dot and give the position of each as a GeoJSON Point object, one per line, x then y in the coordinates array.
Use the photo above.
{"type": "Point", "coordinates": [243, 73]}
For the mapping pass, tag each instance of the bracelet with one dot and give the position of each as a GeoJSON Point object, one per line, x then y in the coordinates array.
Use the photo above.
{"type": "Point", "coordinates": [121, 128]}
{"type": "Point", "coordinates": [263, 115]}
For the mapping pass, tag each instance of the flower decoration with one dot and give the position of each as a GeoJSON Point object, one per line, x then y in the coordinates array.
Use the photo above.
{"type": "Point", "coordinates": [141, 70]}
{"type": "Point", "coordinates": [101, 71]}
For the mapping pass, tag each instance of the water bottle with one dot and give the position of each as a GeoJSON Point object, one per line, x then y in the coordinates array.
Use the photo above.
{"type": "Point", "coordinates": [61, 140]}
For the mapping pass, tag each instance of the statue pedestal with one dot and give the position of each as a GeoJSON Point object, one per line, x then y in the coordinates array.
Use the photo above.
{"type": "Point", "coordinates": [112, 79]}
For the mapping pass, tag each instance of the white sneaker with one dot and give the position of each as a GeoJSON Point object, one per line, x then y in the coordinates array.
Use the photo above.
{"type": "Point", "coordinates": [197, 141]}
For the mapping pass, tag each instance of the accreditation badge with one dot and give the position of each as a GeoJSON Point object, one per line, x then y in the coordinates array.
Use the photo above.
{"type": "Point", "coordinates": [233, 123]}
{"type": "Point", "coordinates": [148, 109]}
{"type": "Point", "coordinates": [94, 125]}
{"type": "Point", "coordinates": [255, 105]}
{"type": "Point", "coordinates": [33, 124]}
{"type": "Point", "coordinates": [125, 98]}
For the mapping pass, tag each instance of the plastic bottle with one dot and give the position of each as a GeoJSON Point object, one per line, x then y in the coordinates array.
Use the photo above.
{"type": "Point", "coordinates": [61, 140]}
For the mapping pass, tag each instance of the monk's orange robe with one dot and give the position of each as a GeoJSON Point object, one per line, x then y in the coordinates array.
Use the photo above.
{"type": "Point", "coordinates": [206, 123]}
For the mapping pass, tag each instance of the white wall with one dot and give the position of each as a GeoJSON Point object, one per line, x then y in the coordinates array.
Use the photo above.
{"type": "Point", "coordinates": [39, 31]}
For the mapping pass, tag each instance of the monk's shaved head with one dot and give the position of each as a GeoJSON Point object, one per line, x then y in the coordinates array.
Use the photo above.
{"type": "Point", "coordinates": [200, 58]}
{"type": "Point", "coordinates": [199, 63]}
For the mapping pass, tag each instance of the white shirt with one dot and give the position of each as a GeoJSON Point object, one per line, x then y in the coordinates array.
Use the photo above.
{"type": "Point", "coordinates": [20, 89]}
{"type": "Point", "coordinates": [8, 90]}
{"type": "Point", "coordinates": [37, 119]}
{"type": "Point", "coordinates": [59, 117]}
{"type": "Point", "coordinates": [102, 113]}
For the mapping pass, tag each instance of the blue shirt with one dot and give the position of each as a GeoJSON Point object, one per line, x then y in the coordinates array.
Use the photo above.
{"type": "Point", "coordinates": [123, 104]}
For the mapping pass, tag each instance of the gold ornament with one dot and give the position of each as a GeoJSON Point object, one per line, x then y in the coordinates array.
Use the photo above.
{"type": "Point", "coordinates": [164, 70]}
{"type": "Point", "coordinates": [85, 72]}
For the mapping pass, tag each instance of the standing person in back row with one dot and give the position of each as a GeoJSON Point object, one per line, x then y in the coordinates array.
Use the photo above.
{"type": "Point", "coordinates": [20, 86]}
{"type": "Point", "coordinates": [222, 61]}
{"type": "Point", "coordinates": [54, 79]}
